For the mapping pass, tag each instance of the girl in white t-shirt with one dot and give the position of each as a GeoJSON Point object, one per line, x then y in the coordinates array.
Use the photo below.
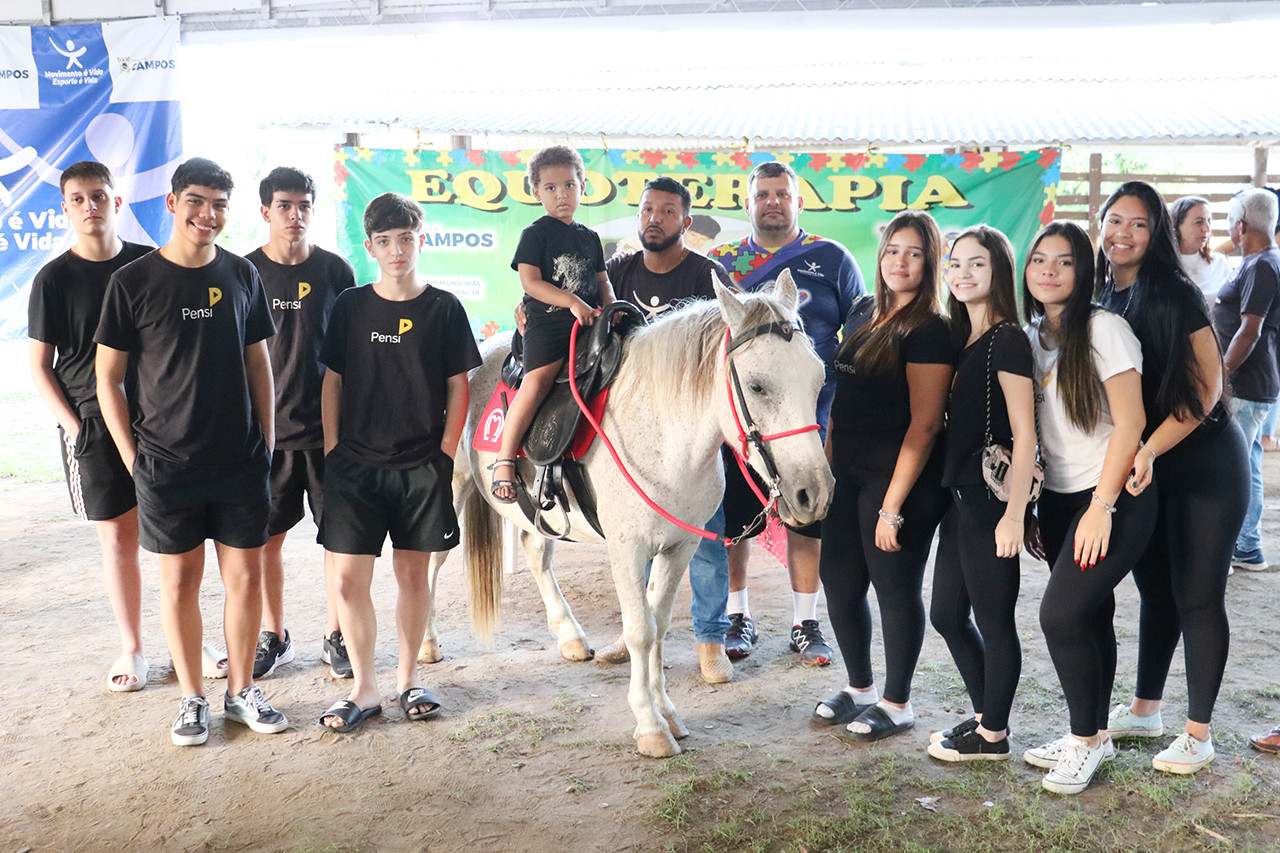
{"type": "Point", "coordinates": [1192, 226]}
{"type": "Point", "coordinates": [1089, 405]}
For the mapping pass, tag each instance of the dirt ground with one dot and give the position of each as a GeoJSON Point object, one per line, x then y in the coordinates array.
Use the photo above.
{"type": "Point", "coordinates": [530, 752]}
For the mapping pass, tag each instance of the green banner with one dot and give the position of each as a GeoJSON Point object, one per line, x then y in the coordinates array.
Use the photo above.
{"type": "Point", "coordinates": [477, 203]}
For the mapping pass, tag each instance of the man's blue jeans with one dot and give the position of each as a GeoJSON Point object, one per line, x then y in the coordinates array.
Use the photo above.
{"type": "Point", "coordinates": [1250, 415]}
{"type": "Point", "coordinates": [709, 580]}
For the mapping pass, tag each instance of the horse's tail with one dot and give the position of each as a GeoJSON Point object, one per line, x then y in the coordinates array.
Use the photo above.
{"type": "Point", "coordinates": [482, 528]}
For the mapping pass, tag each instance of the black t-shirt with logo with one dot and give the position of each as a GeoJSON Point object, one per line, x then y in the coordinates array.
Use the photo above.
{"type": "Point", "coordinates": [1010, 352]}
{"type": "Point", "coordinates": [569, 257]}
{"type": "Point", "coordinates": [870, 413]}
{"type": "Point", "coordinates": [186, 331]}
{"type": "Point", "coordinates": [1254, 290]}
{"type": "Point", "coordinates": [395, 359]}
{"type": "Point", "coordinates": [301, 296]}
{"type": "Point", "coordinates": [66, 302]}
{"type": "Point", "coordinates": [655, 293]}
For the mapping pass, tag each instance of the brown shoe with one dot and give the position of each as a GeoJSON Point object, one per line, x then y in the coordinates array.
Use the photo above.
{"type": "Point", "coordinates": [615, 652]}
{"type": "Point", "coordinates": [1269, 742]}
{"type": "Point", "coordinates": [715, 664]}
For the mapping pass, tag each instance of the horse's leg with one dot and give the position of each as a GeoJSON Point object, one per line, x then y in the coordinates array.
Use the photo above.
{"type": "Point", "coordinates": [429, 652]}
{"type": "Point", "coordinates": [568, 633]}
{"type": "Point", "coordinates": [664, 581]}
{"type": "Point", "coordinates": [653, 733]}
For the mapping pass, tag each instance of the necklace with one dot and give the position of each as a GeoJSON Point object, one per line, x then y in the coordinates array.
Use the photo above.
{"type": "Point", "coordinates": [1124, 312]}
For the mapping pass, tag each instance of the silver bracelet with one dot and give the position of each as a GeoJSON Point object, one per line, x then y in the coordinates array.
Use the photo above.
{"type": "Point", "coordinates": [894, 521]}
{"type": "Point", "coordinates": [1110, 508]}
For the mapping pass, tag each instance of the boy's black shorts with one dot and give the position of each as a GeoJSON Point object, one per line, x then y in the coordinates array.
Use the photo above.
{"type": "Point", "coordinates": [362, 504]}
{"type": "Point", "coordinates": [293, 474]}
{"type": "Point", "coordinates": [180, 506]}
{"type": "Point", "coordinates": [99, 484]}
{"type": "Point", "coordinates": [742, 507]}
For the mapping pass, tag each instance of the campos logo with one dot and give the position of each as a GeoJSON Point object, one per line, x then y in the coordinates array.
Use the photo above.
{"type": "Point", "coordinates": [292, 304]}
{"type": "Point", "coordinates": [14, 74]}
{"type": "Point", "coordinates": [203, 313]}
{"type": "Point", "coordinates": [405, 325]}
{"type": "Point", "coordinates": [126, 64]}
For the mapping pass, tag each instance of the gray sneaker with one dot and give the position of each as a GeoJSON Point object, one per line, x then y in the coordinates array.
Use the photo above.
{"type": "Point", "coordinates": [333, 651]}
{"type": "Point", "coordinates": [250, 707]}
{"type": "Point", "coordinates": [192, 726]}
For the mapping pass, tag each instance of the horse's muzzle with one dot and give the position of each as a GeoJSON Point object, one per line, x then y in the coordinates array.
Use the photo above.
{"type": "Point", "coordinates": [805, 500]}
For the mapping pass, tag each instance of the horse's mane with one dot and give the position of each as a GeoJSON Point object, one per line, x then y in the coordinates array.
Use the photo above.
{"type": "Point", "coordinates": [675, 356]}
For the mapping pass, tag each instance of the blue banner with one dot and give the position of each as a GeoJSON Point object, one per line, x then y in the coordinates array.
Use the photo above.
{"type": "Point", "coordinates": [106, 92]}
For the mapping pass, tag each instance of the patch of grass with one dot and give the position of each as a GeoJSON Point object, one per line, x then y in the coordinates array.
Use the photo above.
{"type": "Point", "coordinates": [578, 785]}
{"type": "Point", "coordinates": [566, 701]}
{"type": "Point", "coordinates": [1271, 691]}
{"type": "Point", "coordinates": [503, 725]}
{"type": "Point", "coordinates": [892, 804]}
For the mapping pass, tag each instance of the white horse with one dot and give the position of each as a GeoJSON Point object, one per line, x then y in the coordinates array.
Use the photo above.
{"type": "Point", "coordinates": [674, 402]}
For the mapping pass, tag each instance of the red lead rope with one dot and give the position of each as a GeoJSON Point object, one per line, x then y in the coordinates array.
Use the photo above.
{"type": "Point", "coordinates": [742, 438]}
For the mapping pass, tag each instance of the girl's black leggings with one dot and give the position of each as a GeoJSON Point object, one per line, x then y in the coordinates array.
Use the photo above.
{"type": "Point", "coordinates": [1078, 609]}
{"type": "Point", "coordinates": [1203, 486]}
{"type": "Point", "coordinates": [969, 578]}
{"type": "Point", "coordinates": [851, 561]}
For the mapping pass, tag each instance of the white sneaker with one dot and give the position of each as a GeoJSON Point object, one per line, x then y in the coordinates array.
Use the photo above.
{"type": "Point", "coordinates": [1049, 754]}
{"type": "Point", "coordinates": [192, 726]}
{"type": "Point", "coordinates": [1075, 769]}
{"type": "Point", "coordinates": [1122, 722]}
{"type": "Point", "coordinates": [1185, 755]}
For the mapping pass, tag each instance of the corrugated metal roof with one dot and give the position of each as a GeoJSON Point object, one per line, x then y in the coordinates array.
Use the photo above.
{"type": "Point", "coordinates": [955, 103]}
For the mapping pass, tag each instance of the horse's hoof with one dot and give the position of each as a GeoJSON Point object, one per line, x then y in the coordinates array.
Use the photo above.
{"type": "Point", "coordinates": [429, 652]}
{"type": "Point", "coordinates": [657, 745]}
{"type": "Point", "coordinates": [576, 650]}
{"type": "Point", "coordinates": [677, 727]}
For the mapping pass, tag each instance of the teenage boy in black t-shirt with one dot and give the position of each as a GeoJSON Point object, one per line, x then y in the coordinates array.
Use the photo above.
{"type": "Point", "coordinates": [302, 281]}
{"type": "Point", "coordinates": [394, 401]}
{"type": "Point", "coordinates": [191, 321]}
{"type": "Point", "coordinates": [66, 299]}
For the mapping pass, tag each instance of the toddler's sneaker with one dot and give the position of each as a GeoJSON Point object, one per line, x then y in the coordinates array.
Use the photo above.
{"type": "Point", "coordinates": [1076, 767]}
{"type": "Point", "coordinates": [192, 726]}
{"type": "Point", "coordinates": [1122, 722]}
{"type": "Point", "coordinates": [1185, 755]}
{"type": "Point", "coordinates": [250, 708]}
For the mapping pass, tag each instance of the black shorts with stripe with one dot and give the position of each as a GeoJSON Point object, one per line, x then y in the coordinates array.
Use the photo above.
{"type": "Point", "coordinates": [97, 481]}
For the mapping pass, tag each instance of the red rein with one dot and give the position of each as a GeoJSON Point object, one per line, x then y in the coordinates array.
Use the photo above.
{"type": "Point", "coordinates": [738, 455]}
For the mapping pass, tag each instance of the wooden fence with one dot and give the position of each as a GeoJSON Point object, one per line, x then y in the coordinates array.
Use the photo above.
{"type": "Point", "coordinates": [1218, 189]}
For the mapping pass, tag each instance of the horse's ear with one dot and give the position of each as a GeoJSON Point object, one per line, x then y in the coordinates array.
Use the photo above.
{"type": "Point", "coordinates": [731, 307]}
{"type": "Point", "coordinates": [784, 289]}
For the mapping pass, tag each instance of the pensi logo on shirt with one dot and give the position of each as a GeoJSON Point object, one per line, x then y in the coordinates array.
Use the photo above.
{"type": "Point", "coordinates": [378, 338]}
{"type": "Point", "coordinates": [294, 304]}
{"type": "Point", "coordinates": [215, 295]}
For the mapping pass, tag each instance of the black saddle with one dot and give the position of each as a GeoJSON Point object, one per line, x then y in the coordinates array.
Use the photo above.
{"type": "Point", "coordinates": [598, 357]}
{"type": "Point", "coordinates": [551, 434]}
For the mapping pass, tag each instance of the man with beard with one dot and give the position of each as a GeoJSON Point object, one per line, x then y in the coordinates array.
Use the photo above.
{"type": "Point", "coordinates": [829, 282]}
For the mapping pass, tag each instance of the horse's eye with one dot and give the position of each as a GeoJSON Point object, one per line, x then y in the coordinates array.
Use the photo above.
{"type": "Point", "coordinates": [756, 388]}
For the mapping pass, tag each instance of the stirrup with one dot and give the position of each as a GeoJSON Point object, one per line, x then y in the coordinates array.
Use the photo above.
{"type": "Point", "coordinates": [497, 484]}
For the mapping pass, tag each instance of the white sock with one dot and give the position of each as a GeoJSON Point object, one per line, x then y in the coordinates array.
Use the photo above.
{"type": "Point", "coordinates": [893, 712]}
{"type": "Point", "coordinates": [804, 605]}
{"type": "Point", "coordinates": [738, 603]}
{"type": "Point", "coordinates": [869, 696]}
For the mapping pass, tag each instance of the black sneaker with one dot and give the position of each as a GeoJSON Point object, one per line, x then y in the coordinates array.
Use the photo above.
{"type": "Point", "coordinates": [970, 746]}
{"type": "Point", "coordinates": [192, 726]}
{"type": "Point", "coordinates": [969, 725]}
{"type": "Point", "coordinates": [271, 653]}
{"type": "Point", "coordinates": [333, 651]}
{"type": "Point", "coordinates": [740, 637]}
{"type": "Point", "coordinates": [806, 638]}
